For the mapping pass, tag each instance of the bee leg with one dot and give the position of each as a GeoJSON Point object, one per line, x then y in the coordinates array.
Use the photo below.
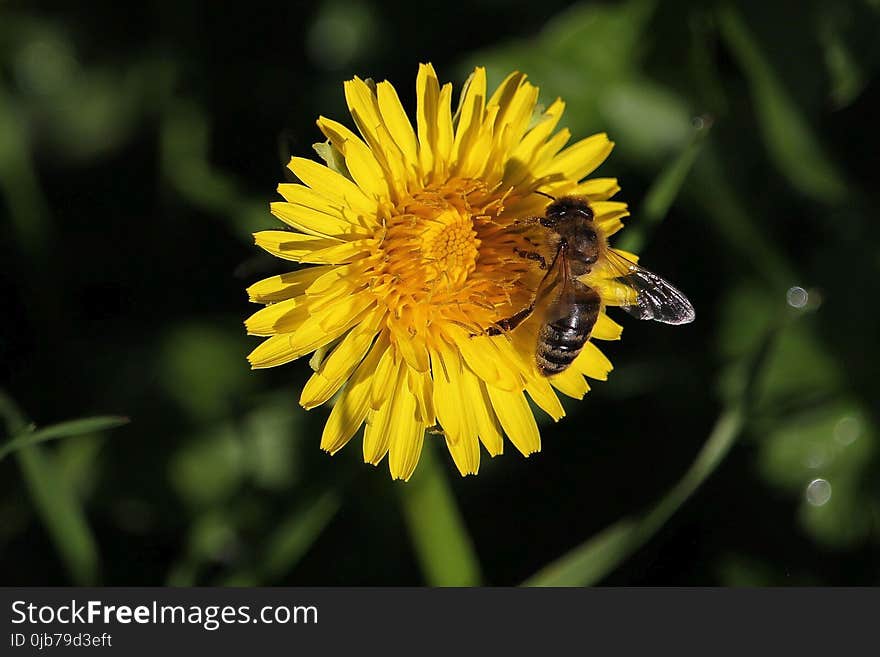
{"type": "Point", "coordinates": [531, 255]}
{"type": "Point", "coordinates": [520, 225]}
{"type": "Point", "coordinates": [525, 221]}
{"type": "Point", "coordinates": [510, 323]}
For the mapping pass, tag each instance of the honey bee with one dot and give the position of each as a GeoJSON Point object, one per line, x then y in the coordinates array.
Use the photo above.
{"type": "Point", "coordinates": [570, 307]}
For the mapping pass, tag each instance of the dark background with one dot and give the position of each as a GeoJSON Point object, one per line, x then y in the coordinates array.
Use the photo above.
{"type": "Point", "coordinates": [140, 146]}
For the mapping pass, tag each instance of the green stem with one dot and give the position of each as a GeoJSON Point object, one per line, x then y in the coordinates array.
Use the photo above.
{"type": "Point", "coordinates": [440, 538]}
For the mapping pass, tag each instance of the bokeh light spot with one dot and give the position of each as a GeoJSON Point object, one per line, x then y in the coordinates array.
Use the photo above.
{"type": "Point", "coordinates": [818, 492]}
{"type": "Point", "coordinates": [847, 430]}
{"type": "Point", "coordinates": [797, 297]}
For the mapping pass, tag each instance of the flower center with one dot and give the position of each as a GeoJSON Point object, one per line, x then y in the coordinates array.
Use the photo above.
{"type": "Point", "coordinates": [451, 247]}
{"type": "Point", "coordinates": [447, 245]}
{"type": "Point", "coordinates": [444, 256]}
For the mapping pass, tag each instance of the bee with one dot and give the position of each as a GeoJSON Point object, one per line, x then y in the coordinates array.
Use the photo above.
{"type": "Point", "coordinates": [571, 307]}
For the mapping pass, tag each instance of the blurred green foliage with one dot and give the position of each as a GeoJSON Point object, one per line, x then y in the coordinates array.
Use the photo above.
{"type": "Point", "coordinates": [139, 148]}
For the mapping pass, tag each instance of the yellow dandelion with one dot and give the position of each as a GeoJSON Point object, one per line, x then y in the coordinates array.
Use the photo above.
{"type": "Point", "coordinates": [411, 262]}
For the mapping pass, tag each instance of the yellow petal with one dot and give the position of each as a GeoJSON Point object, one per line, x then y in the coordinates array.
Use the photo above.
{"type": "Point", "coordinates": [285, 286]}
{"type": "Point", "coordinates": [581, 158]}
{"type": "Point", "coordinates": [470, 113]}
{"type": "Point", "coordinates": [421, 385]}
{"type": "Point", "coordinates": [597, 189]}
{"type": "Point", "coordinates": [310, 198]}
{"type": "Point", "coordinates": [614, 293]}
{"type": "Point", "coordinates": [333, 186]}
{"type": "Point", "coordinates": [541, 161]}
{"type": "Point", "coordinates": [449, 396]}
{"type": "Point", "coordinates": [506, 90]}
{"type": "Point", "coordinates": [377, 434]}
{"type": "Point", "coordinates": [443, 146]}
{"type": "Point", "coordinates": [514, 117]}
{"type": "Point", "coordinates": [488, 427]}
{"type": "Point", "coordinates": [397, 122]}
{"type": "Point", "coordinates": [479, 160]}
{"type": "Point", "coordinates": [273, 352]}
{"type": "Point", "coordinates": [542, 394]}
{"type": "Point", "coordinates": [308, 220]}
{"type": "Point", "coordinates": [427, 98]}
{"type": "Point", "coordinates": [593, 363]}
{"type": "Point", "coordinates": [339, 365]}
{"type": "Point", "coordinates": [326, 325]}
{"type": "Point", "coordinates": [309, 248]}
{"type": "Point", "coordinates": [339, 254]}
{"type": "Point", "coordinates": [351, 408]}
{"type": "Point", "coordinates": [359, 159]}
{"type": "Point", "coordinates": [480, 405]}
{"type": "Point", "coordinates": [483, 356]}
{"type": "Point", "coordinates": [292, 246]}
{"type": "Point", "coordinates": [383, 379]}
{"type": "Point", "coordinates": [606, 328]}
{"type": "Point", "coordinates": [516, 418]}
{"type": "Point", "coordinates": [407, 434]}
{"type": "Point", "coordinates": [608, 215]}
{"type": "Point", "coordinates": [364, 107]}
{"type": "Point", "coordinates": [524, 152]}
{"type": "Point", "coordinates": [266, 321]}
{"type": "Point", "coordinates": [570, 382]}
{"type": "Point", "coordinates": [465, 453]}
{"type": "Point", "coordinates": [414, 351]}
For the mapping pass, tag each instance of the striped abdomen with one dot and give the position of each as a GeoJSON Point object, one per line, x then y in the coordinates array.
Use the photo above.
{"type": "Point", "coordinates": [570, 321]}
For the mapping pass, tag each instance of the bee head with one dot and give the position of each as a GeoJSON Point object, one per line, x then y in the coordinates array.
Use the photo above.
{"type": "Point", "coordinates": [569, 207]}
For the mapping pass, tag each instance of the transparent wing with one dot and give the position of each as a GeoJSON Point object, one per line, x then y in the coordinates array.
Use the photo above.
{"type": "Point", "coordinates": [645, 295]}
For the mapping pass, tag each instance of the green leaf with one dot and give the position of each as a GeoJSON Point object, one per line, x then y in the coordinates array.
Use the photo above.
{"type": "Point", "coordinates": [719, 200]}
{"type": "Point", "coordinates": [590, 55]}
{"type": "Point", "coordinates": [441, 541]}
{"type": "Point", "coordinates": [787, 133]}
{"type": "Point", "coordinates": [55, 501]}
{"type": "Point", "coordinates": [665, 189]}
{"type": "Point", "coordinates": [333, 158]}
{"type": "Point", "coordinates": [62, 430]}
{"type": "Point", "coordinates": [647, 120]}
{"type": "Point", "coordinates": [295, 535]}
{"type": "Point", "coordinates": [62, 513]}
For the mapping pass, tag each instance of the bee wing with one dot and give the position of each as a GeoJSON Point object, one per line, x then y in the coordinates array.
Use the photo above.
{"type": "Point", "coordinates": [646, 295]}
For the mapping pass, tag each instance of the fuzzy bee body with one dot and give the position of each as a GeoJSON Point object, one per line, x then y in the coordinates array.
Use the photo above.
{"type": "Point", "coordinates": [569, 317]}
{"type": "Point", "coordinates": [561, 339]}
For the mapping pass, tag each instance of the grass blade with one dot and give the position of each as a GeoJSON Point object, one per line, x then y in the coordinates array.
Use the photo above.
{"type": "Point", "coordinates": [593, 560]}
{"type": "Point", "coordinates": [62, 430]}
{"type": "Point", "coordinates": [56, 503]}
{"type": "Point", "coordinates": [289, 543]}
{"type": "Point", "coordinates": [789, 138]}
{"type": "Point", "coordinates": [62, 514]}
{"type": "Point", "coordinates": [600, 555]}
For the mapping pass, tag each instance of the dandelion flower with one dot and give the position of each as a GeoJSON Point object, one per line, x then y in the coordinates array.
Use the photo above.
{"type": "Point", "coordinates": [409, 262]}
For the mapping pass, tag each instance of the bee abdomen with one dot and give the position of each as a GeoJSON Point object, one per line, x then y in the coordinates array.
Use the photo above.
{"type": "Point", "coordinates": [558, 346]}
{"type": "Point", "coordinates": [561, 339]}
